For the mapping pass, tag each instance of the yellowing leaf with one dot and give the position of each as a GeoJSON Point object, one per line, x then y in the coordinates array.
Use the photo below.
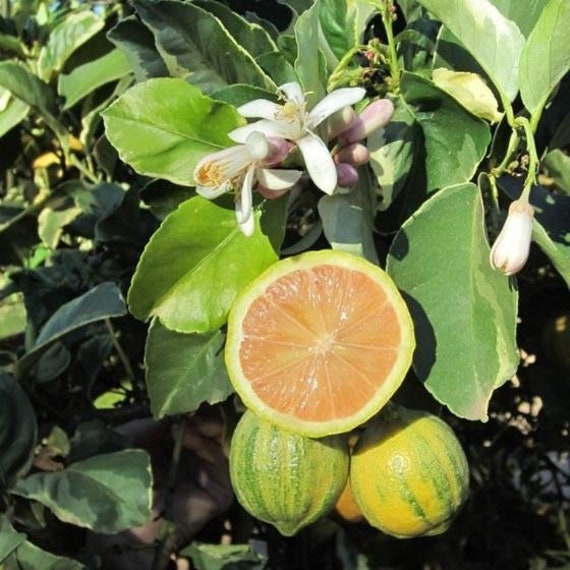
{"type": "Point", "coordinates": [470, 90]}
{"type": "Point", "coordinates": [45, 160]}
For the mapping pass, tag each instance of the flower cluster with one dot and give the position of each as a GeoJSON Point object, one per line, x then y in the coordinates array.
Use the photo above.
{"type": "Point", "coordinates": [281, 128]}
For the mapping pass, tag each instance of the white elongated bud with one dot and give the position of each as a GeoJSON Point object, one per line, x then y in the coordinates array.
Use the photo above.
{"type": "Point", "coordinates": [510, 250]}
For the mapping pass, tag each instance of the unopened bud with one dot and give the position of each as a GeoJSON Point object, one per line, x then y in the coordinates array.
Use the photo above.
{"type": "Point", "coordinates": [354, 154]}
{"type": "Point", "coordinates": [510, 250]}
{"type": "Point", "coordinates": [340, 121]}
{"type": "Point", "coordinates": [372, 118]}
{"type": "Point", "coordinates": [347, 175]}
{"type": "Point", "coordinates": [279, 150]}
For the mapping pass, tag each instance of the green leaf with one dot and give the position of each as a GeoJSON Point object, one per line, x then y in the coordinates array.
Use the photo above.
{"type": "Point", "coordinates": [523, 14]}
{"type": "Point", "coordinates": [27, 87]}
{"type": "Point", "coordinates": [12, 309]}
{"type": "Point", "coordinates": [30, 557]}
{"type": "Point", "coordinates": [13, 44]}
{"type": "Point", "coordinates": [18, 432]}
{"type": "Point", "coordinates": [470, 90]}
{"type": "Point", "coordinates": [348, 218]}
{"type": "Point", "coordinates": [83, 80]}
{"type": "Point", "coordinates": [393, 151]}
{"type": "Point", "coordinates": [162, 197]}
{"type": "Point", "coordinates": [9, 538]}
{"type": "Point", "coordinates": [53, 362]}
{"type": "Point", "coordinates": [416, 44]}
{"type": "Point", "coordinates": [559, 253]}
{"type": "Point", "coordinates": [136, 42]}
{"type": "Point", "coordinates": [184, 370]}
{"type": "Point", "coordinates": [198, 261]}
{"type": "Point", "coordinates": [64, 39]}
{"type": "Point", "coordinates": [278, 67]}
{"type": "Point", "coordinates": [561, 136]}
{"type": "Point", "coordinates": [164, 126]}
{"type": "Point", "coordinates": [493, 40]}
{"type": "Point", "coordinates": [249, 35]}
{"type": "Point", "coordinates": [451, 54]}
{"type": "Point", "coordinates": [102, 302]}
{"type": "Point", "coordinates": [197, 47]}
{"type": "Point", "coordinates": [297, 6]}
{"type": "Point", "coordinates": [32, 91]}
{"type": "Point", "coordinates": [455, 140]}
{"type": "Point", "coordinates": [52, 221]}
{"type": "Point", "coordinates": [545, 58]}
{"type": "Point", "coordinates": [310, 61]}
{"type": "Point", "coordinates": [464, 311]}
{"type": "Point", "coordinates": [557, 164]}
{"type": "Point", "coordinates": [239, 94]}
{"type": "Point", "coordinates": [335, 41]}
{"type": "Point", "coordinates": [224, 557]}
{"type": "Point", "coordinates": [106, 493]}
{"type": "Point", "coordinates": [12, 111]}
{"type": "Point", "coordinates": [288, 47]}
{"type": "Point", "coordinates": [411, 9]}
{"type": "Point", "coordinates": [91, 121]}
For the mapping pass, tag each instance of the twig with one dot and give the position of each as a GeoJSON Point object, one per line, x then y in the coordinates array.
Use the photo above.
{"type": "Point", "coordinates": [168, 543]}
{"type": "Point", "coordinates": [121, 353]}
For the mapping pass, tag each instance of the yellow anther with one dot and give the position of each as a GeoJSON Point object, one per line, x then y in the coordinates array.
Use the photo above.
{"type": "Point", "coordinates": [289, 111]}
{"type": "Point", "coordinates": [210, 174]}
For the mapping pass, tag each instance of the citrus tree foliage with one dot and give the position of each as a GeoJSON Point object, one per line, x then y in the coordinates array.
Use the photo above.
{"type": "Point", "coordinates": [107, 113]}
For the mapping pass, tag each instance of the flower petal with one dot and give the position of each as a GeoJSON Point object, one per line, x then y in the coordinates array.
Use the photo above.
{"type": "Point", "coordinates": [279, 129]}
{"type": "Point", "coordinates": [217, 167]}
{"type": "Point", "coordinates": [212, 193]}
{"type": "Point", "coordinates": [275, 179]}
{"type": "Point", "coordinates": [293, 92]}
{"type": "Point", "coordinates": [259, 108]}
{"type": "Point", "coordinates": [244, 203]}
{"type": "Point", "coordinates": [247, 227]}
{"type": "Point", "coordinates": [319, 163]}
{"type": "Point", "coordinates": [332, 103]}
{"type": "Point", "coordinates": [257, 145]}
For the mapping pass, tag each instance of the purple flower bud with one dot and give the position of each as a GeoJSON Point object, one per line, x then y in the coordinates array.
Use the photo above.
{"type": "Point", "coordinates": [372, 118]}
{"type": "Point", "coordinates": [279, 150]}
{"type": "Point", "coordinates": [347, 175]}
{"type": "Point", "coordinates": [354, 154]}
{"type": "Point", "coordinates": [510, 250]}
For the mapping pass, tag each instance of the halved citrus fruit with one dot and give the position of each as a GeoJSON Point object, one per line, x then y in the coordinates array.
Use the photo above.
{"type": "Point", "coordinates": [319, 342]}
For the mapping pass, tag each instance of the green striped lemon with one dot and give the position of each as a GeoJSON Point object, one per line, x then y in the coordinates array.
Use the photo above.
{"type": "Point", "coordinates": [409, 474]}
{"type": "Point", "coordinates": [283, 478]}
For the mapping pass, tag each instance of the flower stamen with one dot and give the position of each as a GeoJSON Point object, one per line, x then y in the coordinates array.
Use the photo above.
{"type": "Point", "coordinates": [290, 111]}
{"type": "Point", "coordinates": [210, 174]}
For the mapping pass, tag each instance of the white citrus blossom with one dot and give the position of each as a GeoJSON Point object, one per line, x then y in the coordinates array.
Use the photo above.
{"type": "Point", "coordinates": [291, 120]}
{"type": "Point", "coordinates": [238, 168]}
{"type": "Point", "coordinates": [511, 248]}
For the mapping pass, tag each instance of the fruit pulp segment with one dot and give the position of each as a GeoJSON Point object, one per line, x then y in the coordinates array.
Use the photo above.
{"type": "Point", "coordinates": [319, 343]}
